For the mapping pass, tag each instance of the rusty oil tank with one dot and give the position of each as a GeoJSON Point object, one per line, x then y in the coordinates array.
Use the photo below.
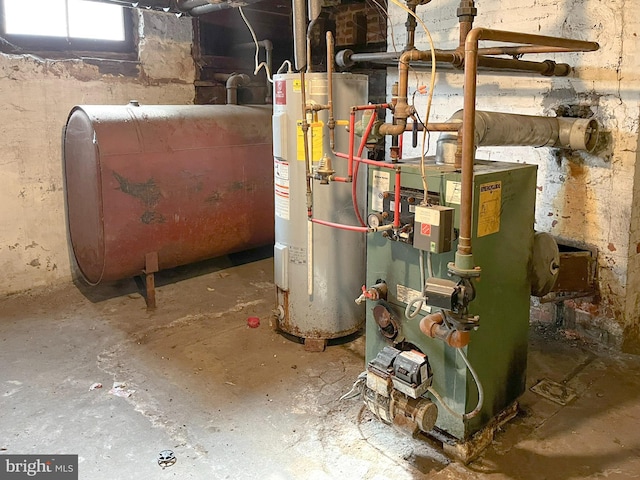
{"type": "Point", "coordinates": [186, 182]}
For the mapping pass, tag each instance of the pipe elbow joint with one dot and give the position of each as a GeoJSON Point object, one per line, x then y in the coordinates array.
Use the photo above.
{"type": "Point", "coordinates": [393, 129]}
{"type": "Point", "coordinates": [238, 80]}
{"type": "Point", "coordinates": [432, 326]}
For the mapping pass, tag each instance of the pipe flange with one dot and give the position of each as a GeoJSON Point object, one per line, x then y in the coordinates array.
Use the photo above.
{"type": "Point", "coordinates": [343, 59]}
{"type": "Point", "coordinates": [463, 272]}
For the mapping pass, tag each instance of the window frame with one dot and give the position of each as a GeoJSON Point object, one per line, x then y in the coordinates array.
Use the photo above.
{"type": "Point", "coordinates": [44, 43]}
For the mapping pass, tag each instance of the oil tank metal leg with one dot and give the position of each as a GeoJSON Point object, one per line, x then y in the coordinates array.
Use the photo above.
{"type": "Point", "coordinates": [151, 266]}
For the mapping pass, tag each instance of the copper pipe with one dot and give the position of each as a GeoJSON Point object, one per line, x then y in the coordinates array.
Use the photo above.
{"type": "Point", "coordinates": [466, 12]}
{"type": "Point", "coordinates": [402, 109]}
{"type": "Point", "coordinates": [469, 116]}
{"type": "Point", "coordinates": [411, 27]}
{"type": "Point", "coordinates": [371, 106]}
{"type": "Point", "coordinates": [305, 141]}
{"type": "Point", "coordinates": [548, 68]}
{"type": "Point", "coordinates": [523, 49]}
{"type": "Point", "coordinates": [436, 127]}
{"type": "Point", "coordinates": [432, 325]}
{"type": "Point", "coordinates": [366, 161]}
{"type": "Point", "coordinates": [331, 123]}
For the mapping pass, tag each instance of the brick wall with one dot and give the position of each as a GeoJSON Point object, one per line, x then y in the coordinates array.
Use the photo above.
{"type": "Point", "coordinates": [359, 21]}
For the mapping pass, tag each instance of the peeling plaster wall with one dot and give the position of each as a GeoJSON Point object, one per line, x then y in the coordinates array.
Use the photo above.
{"type": "Point", "coordinates": [581, 197]}
{"type": "Point", "coordinates": [36, 96]}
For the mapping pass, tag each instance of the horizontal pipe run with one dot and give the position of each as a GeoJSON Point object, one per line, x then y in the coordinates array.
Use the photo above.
{"type": "Point", "coordinates": [524, 49]}
{"type": "Point", "coordinates": [507, 129]}
{"type": "Point", "coordinates": [435, 127]}
{"type": "Point", "coordinates": [463, 254]}
{"type": "Point", "coordinates": [547, 68]}
{"type": "Point", "coordinates": [573, 45]}
{"type": "Point", "coordinates": [370, 107]}
{"type": "Point", "coordinates": [391, 166]}
{"type": "Point", "coordinates": [186, 5]}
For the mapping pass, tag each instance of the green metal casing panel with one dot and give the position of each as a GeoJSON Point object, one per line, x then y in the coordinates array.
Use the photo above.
{"type": "Point", "coordinates": [498, 348]}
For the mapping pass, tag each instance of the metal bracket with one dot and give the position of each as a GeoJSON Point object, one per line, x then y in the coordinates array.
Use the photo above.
{"type": "Point", "coordinates": [150, 267]}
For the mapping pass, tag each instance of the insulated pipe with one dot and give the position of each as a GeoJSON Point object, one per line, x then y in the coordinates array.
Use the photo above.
{"type": "Point", "coordinates": [506, 129]}
{"type": "Point", "coordinates": [463, 257]}
{"type": "Point", "coordinates": [208, 8]}
{"type": "Point", "coordinates": [233, 82]}
{"type": "Point", "coordinates": [186, 5]}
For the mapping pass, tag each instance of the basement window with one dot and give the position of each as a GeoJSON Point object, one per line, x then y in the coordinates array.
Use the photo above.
{"type": "Point", "coordinates": [66, 25]}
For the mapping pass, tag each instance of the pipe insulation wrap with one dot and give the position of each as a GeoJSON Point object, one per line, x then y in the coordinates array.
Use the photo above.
{"type": "Point", "coordinates": [506, 129]}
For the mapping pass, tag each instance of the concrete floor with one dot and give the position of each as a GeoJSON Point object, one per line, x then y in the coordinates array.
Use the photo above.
{"type": "Point", "coordinates": [241, 403]}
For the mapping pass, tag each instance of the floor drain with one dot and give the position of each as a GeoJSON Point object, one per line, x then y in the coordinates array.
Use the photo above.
{"type": "Point", "coordinates": [556, 392]}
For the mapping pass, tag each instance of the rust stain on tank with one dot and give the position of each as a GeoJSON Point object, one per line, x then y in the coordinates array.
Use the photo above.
{"type": "Point", "coordinates": [197, 183]}
{"type": "Point", "coordinates": [147, 192]}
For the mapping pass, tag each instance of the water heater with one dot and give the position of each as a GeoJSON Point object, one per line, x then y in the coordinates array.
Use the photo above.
{"type": "Point", "coordinates": [319, 270]}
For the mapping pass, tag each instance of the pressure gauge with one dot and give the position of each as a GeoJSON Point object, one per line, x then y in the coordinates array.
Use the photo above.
{"type": "Point", "coordinates": [374, 220]}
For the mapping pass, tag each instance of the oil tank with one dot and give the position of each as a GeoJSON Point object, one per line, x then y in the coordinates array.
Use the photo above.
{"type": "Point", "coordinates": [186, 182]}
{"type": "Point", "coordinates": [319, 270]}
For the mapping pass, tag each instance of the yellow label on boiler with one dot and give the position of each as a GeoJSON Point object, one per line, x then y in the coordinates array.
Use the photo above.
{"type": "Point", "coordinates": [297, 85]}
{"type": "Point", "coordinates": [489, 208]}
{"type": "Point", "coordinates": [314, 136]}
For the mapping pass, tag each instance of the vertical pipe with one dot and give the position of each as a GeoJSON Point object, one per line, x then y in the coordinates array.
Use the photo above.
{"type": "Point", "coordinates": [411, 28]}
{"type": "Point", "coordinates": [352, 134]}
{"type": "Point", "coordinates": [332, 121]}
{"type": "Point", "coordinates": [466, 11]}
{"type": "Point", "coordinates": [305, 140]}
{"type": "Point", "coordinates": [299, 12]}
{"type": "Point", "coordinates": [468, 147]}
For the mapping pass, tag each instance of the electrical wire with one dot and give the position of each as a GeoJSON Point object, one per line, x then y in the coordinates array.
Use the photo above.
{"type": "Point", "coordinates": [383, 12]}
{"type": "Point", "coordinates": [260, 65]}
{"type": "Point", "coordinates": [476, 410]}
{"type": "Point", "coordinates": [357, 388]}
{"type": "Point", "coordinates": [414, 305]}
{"type": "Point", "coordinates": [290, 67]}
